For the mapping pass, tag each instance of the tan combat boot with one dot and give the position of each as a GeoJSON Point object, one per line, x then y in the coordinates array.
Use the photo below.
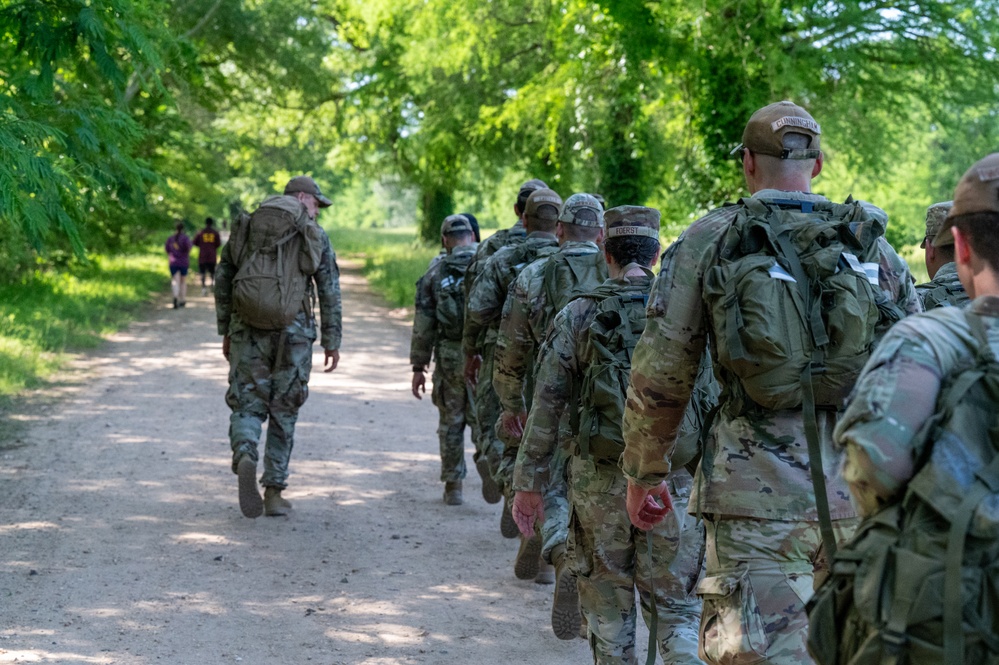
{"type": "Point", "coordinates": [565, 605]}
{"type": "Point", "coordinates": [452, 493]}
{"type": "Point", "coordinates": [525, 566]}
{"type": "Point", "coordinates": [249, 495]}
{"type": "Point", "coordinates": [274, 504]}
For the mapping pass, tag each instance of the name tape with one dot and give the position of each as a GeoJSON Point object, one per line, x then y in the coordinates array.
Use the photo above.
{"type": "Point", "coordinates": [794, 121]}
{"type": "Point", "coordinates": [616, 231]}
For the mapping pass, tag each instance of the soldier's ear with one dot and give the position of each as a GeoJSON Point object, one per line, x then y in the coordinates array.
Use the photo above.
{"type": "Point", "coordinates": [962, 249]}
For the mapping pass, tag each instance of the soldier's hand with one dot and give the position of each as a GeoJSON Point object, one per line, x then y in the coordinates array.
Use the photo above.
{"type": "Point", "coordinates": [643, 509]}
{"type": "Point", "coordinates": [472, 365]}
{"type": "Point", "coordinates": [226, 345]}
{"type": "Point", "coordinates": [528, 508]}
{"type": "Point", "coordinates": [419, 384]}
{"type": "Point", "coordinates": [332, 360]}
{"type": "Point", "coordinates": [513, 424]}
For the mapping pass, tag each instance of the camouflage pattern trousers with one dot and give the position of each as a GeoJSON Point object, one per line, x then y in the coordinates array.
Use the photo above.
{"type": "Point", "coordinates": [758, 576]}
{"type": "Point", "coordinates": [487, 413]}
{"type": "Point", "coordinates": [268, 381]}
{"type": "Point", "coordinates": [612, 560]}
{"type": "Point", "coordinates": [454, 406]}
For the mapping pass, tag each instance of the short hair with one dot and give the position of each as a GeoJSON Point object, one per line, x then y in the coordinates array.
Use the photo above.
{"type": "Point", "coordinates": [179, 225]}
{"type": "Point", "coordinates": [209, 221]}
{"type": "Point", "coordinates": [475, 225]}
{"type": "Point", "coordinates": [580, 233]}
{"type": "Point", "coordinates": [460, 235]}
{"type": "Point", "coordinates": [542, 224]}
{"type": "Point", "coordinates": [980, 229]}
{"type": "Point", "coordinates": [946, 252]}
{"type": "Point", "coordinates": [632, 249]}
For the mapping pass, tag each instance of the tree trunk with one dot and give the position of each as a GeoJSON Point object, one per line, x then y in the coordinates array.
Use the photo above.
{"type": "Point", "coordinates": [438, 203]}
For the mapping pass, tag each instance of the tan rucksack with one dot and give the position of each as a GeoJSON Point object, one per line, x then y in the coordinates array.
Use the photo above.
{"type": "Point", "coordinates": [277, 249]}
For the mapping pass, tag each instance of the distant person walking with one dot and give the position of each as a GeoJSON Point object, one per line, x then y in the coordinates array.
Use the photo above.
{"type": "Point", "coordinates": [207, 241]}
{"type": "Point", "coordinates": [178, 249]}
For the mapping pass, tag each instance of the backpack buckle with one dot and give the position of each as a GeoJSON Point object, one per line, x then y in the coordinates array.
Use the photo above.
{"type": "Point", "coordinates": [894, 641]}
{"type": "Point", "coordinates": [803, 206]}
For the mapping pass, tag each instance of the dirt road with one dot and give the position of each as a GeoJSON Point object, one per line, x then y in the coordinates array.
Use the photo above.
{"type": "Point", "coordinates": [121, 540]}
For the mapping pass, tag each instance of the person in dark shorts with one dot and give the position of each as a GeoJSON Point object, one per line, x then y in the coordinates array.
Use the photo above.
{"type": "Point", "coordinates": [207, 241]}
{"type": "Point", "coordinates": [178, 249]}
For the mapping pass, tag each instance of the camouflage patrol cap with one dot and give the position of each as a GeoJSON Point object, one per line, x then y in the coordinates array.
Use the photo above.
{"type": "Point", "coordinates": [764, 133]}
{"type": "Point", "coordinates": [631, 221]}
{"type": "Point", "coordinates": [935, 215]}
{"type": "Point", "coordinates": [543, 204]}
{"type": "Point", "coordinates": [582, 210]}
{"type": "Point", "coordinates": [303, 183]}
{"type": "Point", "coordinates": [526, 189]}
{"type": "Point", "coordinates": [456, 224]}
{"type": "Point", "coordinates": [977, 192]}
{"type": "Point", "coordinates": [600, 199]}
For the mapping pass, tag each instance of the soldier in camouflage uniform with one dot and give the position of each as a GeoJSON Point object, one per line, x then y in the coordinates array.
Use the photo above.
{"type": "Point", "coordinates": [479, 353]}
{"type": "Point", "coordinates": [753, 485]}
{"type": "Point", "coordinates": [944, 289]}
{"type": "Point", "coordinates": [482, 317]}
{"type": "Point", "coordinates": [903, 386]}
{"type": "Point", "coordinates": [437, 326]}
{"type": "Point", "coordinates": [534, 299]}
{"type": "Point", "coordinates": [269, 370]}
{"type": "Point", "coordinates": [610, 553]}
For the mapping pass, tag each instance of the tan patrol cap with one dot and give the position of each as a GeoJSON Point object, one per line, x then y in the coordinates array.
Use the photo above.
{"type": "Point", "coordinates": [543, 204]}
{"type": "Point", "coordinates": [978, 191]}
{"type": "Point", "coordinates": [935, 215]}
{"type": "Point", "coordinates": [631, 221]}
{"type": "Point", "coordinates": [456, 224]}
{"type": "Point", "coordinates": [526, 189]}
{"type": "Point", "coordinates": [582, 210]}
{"type": "Point", "coordinates": [764, 133]}
{"type": "Point", "coordinates": [303, 183]}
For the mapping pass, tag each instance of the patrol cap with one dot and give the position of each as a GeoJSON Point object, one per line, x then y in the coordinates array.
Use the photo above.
{"type": "Point", "coordinates": [978, 191]}
{"type": "Point", "coordinates": [543, 204]}
{"type": "Point", "coordinates": [582, 210]}
{"type": "Point", "coordinates": [303, 183]}
{"type": "Point", "coordinates": [600, 199]}
{"type": "Point", "coordinates": [764, 133]}
{"type": "Point", "coordinates": [631, 221]}
{"type": "Point", "coordinates": [456, 224]}
{"type": "Point", "coordinates": [526, 189]}
{"type": "Point", "coordinates": [935, 215]}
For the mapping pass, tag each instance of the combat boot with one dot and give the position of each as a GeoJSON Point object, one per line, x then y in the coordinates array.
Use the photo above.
{"type": "Point", "coordinates": [490, 490]}
{"type": "Point", "coordinates": [566, 617]}
{"type": "Point", "coordinates": [452, 493]}
{"type": "Point", "coordinates": [274, 504]}
{"type": "Point", "coordinates": [249, 495]}
{"type": "Point", "coordinates": [525, 566]}
{"type": "Point", "coordinates": [546, 573]}
{"type": "Point", "coordinates": [508, 526]}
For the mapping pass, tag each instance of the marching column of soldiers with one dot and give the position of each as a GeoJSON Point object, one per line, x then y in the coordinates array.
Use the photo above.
{"type": "Point", "coordinates": [753, 439]}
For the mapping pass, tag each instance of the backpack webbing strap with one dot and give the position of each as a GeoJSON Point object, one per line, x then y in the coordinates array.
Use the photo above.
{"type": "Point", "coordinates": [650, 658]}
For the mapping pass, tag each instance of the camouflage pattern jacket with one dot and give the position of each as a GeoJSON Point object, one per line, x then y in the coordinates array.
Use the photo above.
{"type": "Point", "coordinates": [426, 333]}
{"type": "Point", "coordinates": [484, 303]}
{"type": "Point", "coordinates": [945, 290]}
{"type": "Point", "coordinates": [754, 464]}
{"type": "Point", "coordinates": [558, 368]}
{"type": "Point", "coordinates": [898, 392]}
{"type": "Point", "coordinates": [511, 236]}
{"type": "Point", "coordinates": [324, 287]}
{"type": "Point", "coordinates": [526, 317]}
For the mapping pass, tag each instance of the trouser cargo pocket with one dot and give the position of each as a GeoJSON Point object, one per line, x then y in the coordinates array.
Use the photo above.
{"type": "Point", "coordinates": [732, 631]}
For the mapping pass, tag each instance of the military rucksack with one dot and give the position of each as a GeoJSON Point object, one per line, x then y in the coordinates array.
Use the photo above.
{"type": "Point", "coordinates": [795, 294]}
{"type": "Point", "coordinates": [276, 250]}
{"type": "Point", "coordinates": [568, 276]}
{"type": "Point", "coordinates": [942, 295]}
{"type": "Point", "coordinates": [919, 582]}
{"type": "Point", "coordinates": [451, 295]}
{"type": "Point", "coordinates": [606, 361]}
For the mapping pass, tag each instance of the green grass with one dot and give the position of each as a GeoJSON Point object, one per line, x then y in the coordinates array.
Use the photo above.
{"type": "Point", "coordinates": [393, 259]}
{"type": "Point", "coordinates": [53, 312]}
{"type": "Point", "coordinates": [913, 255]}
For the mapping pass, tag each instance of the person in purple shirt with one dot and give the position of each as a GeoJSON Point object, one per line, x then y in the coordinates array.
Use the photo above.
{"type": "Point", "coordinates": [178, 249]}
{"type": "Point", "coordinates": [207, 241]}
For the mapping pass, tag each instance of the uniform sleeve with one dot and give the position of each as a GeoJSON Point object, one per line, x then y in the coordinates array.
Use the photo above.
{"type": "Point", "coordinates": [224, 273]}
{"type": "Point", "coordinates": [327, 280]}
{"type": "Point", "coordinates": [893, 398]}
{"type": "Point", "coordinates": [558, 367]}
{"type": "Point", "coordinates": [421, 345]}
{"type": "Point", "coordinates": [484, 306]}
{"type": "Point", "coordinates": [666, 359]}
{"type": "Point", "coordinates": [514, 347]}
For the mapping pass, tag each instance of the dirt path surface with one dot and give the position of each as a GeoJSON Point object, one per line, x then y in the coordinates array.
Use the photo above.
{"type": "Point", "coordinates": [121, 540]}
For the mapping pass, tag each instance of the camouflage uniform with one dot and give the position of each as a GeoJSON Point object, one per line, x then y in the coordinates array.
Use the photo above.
{"type": "Point", "coordinates": [269, 370]}
{"type": "Point", "coordinates": [450, 395]}
{"type": "Point", "coordinates": [755, 469]}
{"type": "Point", "coordinates": [483, 308]}
{"type": "Point", "coordinates": [944, 290]}
{"type": "Point", "coordinates": [610, 554]}
{"type": "Point", "coordinates": [527, 314]}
